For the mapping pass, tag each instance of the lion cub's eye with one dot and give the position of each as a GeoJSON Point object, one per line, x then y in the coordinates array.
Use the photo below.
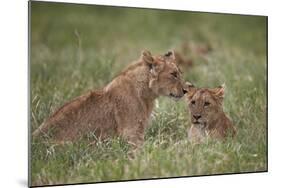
{"type": "Point", "coordinates": [192, 102]}
{"type": "Point", "coordinates": [206, 104]}
{"type": "Point", "coordinates": [175, 74]}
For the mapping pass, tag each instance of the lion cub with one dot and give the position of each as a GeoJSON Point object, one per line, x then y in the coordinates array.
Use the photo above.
{"type": "Point", "coordinates": [207, 115]}
{"type": "Point", "coordinates": [123, 107]}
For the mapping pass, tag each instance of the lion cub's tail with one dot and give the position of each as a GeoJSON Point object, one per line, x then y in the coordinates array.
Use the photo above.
{"type": "Point", "coordinates": [41, 130]}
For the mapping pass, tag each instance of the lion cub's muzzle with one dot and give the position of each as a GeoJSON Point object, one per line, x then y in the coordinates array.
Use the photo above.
{"type": "Point", "coordinates": [198, 121]}
{"type": "Point", "coordinates": [178, 96]}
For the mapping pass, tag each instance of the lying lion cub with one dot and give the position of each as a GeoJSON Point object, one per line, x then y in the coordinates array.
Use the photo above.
{"type": "Point", "coordinates": [123, 107]}
{"type": "Point", "coordinates": [207, 115]}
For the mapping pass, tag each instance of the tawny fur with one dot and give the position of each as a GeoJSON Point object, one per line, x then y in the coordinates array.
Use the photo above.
{"type": "Point", "coordinates": [122, 108]}
{"type": "Point", "coordinates": [207, 115]}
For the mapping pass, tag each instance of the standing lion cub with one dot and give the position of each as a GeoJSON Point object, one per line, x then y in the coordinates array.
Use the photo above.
{"type": "Point", "coordinates": [207, 115]}
{"type": "Point", "coordinates": [122, 108]}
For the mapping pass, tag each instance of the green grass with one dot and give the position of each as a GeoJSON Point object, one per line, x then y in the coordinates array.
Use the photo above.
{"type": "Point", "coordinates": [76, 48]}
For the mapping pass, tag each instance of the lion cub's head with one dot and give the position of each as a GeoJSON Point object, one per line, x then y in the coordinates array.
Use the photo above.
{"type": "Point", "coordinates": [165, 76]}
{"type": "Point", "coordinates": [205, 104]}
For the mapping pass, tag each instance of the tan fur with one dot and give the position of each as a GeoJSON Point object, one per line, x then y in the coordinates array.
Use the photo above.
{"type": "Point", "coordinates": [207, 115]}
{"type": "Point", "coordinates": [122, 108]}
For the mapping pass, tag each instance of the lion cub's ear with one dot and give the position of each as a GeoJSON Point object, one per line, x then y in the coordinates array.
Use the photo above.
{"type": "Point", "coordinates": [155, 66]}
{"type": "Point", "coordinates": [190, 90]}
{"type": "Point", "coordinates": [147, 57]}
{"type": "Point", "coordinates": [171, 55]}
{"type": "Point", "coordinates": [219, 92]}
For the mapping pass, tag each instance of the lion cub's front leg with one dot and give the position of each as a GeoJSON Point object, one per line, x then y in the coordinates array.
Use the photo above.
{"type": "Point", "coordinates": [132, 131]}
{"type": "Point", "coordinates": [131, 126]}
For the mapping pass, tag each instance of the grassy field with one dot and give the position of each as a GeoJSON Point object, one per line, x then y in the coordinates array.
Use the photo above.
{"type": "Point", "coordinates": [76, 48]}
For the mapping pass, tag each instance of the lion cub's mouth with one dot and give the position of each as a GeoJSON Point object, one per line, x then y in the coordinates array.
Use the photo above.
{"type": "Point", "coordinates": [175, 96]}
{"type": "Point", "coordinates": [196, 122]}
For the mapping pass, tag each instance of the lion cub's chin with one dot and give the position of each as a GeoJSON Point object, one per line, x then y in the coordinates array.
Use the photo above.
{"type": "Point", "coordinates": [175, 97]}
{"type": "Point", "coordinates": [200, 125]}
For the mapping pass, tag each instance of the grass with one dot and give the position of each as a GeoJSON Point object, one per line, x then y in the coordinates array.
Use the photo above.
{"type": "Point", "coordinates": [75, 48]}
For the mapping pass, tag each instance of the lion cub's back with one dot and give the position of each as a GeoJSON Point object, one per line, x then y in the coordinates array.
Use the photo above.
{"type": "Point", "coordinates": [85, 113]}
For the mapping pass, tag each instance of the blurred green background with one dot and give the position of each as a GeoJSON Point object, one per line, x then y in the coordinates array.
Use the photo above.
{"type": "Point", "coordinates": [75, 48]}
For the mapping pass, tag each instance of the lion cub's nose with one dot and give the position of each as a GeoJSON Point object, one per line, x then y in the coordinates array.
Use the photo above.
{"type": "Point", "coordinates": [184, 91]}
{"type": "Point", "coordinates": [197, 117]}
